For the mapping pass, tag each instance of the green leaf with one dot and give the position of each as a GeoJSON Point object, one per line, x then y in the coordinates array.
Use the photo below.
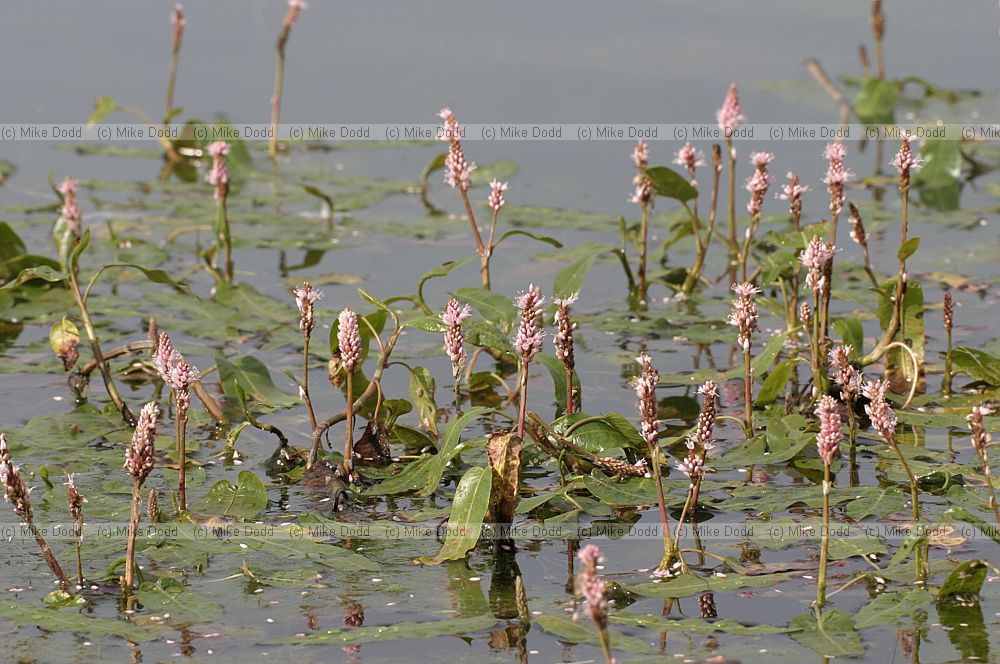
{"type": "Point", "coordinates": [569, 279]}
{"type": "Point", "coordinates": [245, 499]}
{"type": "Point", "coordinates": [255, 379]}
{"type": "Point", "coordinates": [492, 306]}
{"type": "Point", "coordinates": [435, 164]}
{"type": "Point", "coordinates": [686, 585]}
{"type": "Point", "coordinates": [638, 491]}
{"type": "Point", "coordinates": [965, 581]}
{"type": "Point", "coordinates": [472, 499]}
{"type": "Point", "coordinates": [157, 276]}
{"type": "Point", "coordinates": [63, 331]}
{"type": "Point", "coordinates": [833, 635]}
{"type": "Point", "coordinates": [580, 632]}
{"type": "Point", "coordinates": [441, 271]}
{"type": "Point", "coordinates": [876, 102]}
{"type": "Point", "coordinates": [671, 184]}
{"type": "Point", "coordinates": [422, 394]}
{"type": "Point", "coordinates": [394, 632]}
{"type": "Point", "coordinates": [908, 248]}
{"type": "Point", "coordinates": [610, 432]}
{"type": "Point", "coordinates": [43, 272]}
{"type": "Point", "coordinates": [890, 607]}
{"type": "Point", "coordinates": [851, 334]}
{"type": "Point", "coordinates": [53, 620]}
{"type": "Point", "coordinates": [451, 445]}
{"type": "Point", "coordinates": [977, 364]}
{"type": "Point", "coordinates": [775, 382]}
{"type": "Point", "coordinates": [534, 236]}
{"type": "Point", "coordinates": [183, 605]}
{"type": "Point", "coordinates": [938, 180]}
{"type": "Point", "coordinates": [694, 625]}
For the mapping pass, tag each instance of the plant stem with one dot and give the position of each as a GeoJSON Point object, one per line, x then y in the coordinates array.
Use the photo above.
{"type": "Point", "coordinates": [702, 245]}
{"type": "Point", "coordinates": [732, 194]}
{"type": "Point", "coordinates": [853, 419]}
{"type": "Point", "coordinates": [914, 499]}
{"type": "Point", "coordinates": [349, 439]}
{"type": "Point", "coordinates": [180, 438]}
{"type": "Point", "coordinates": [95, 348]}
{"type": "Point", "coordinates": [305, 381]}
{"type": "Point", "coordinates": [481, 250]}
{"type": "Point", "coordinates": [602, 636]}
{"type": "Point", "coordinates": [383, 358]}
{"type": "Point", "coordinates": [522, 405]}
{"type": "Point", "coordinates": [643, 237]}
{"type": "Point", "coordinates": [825, 542]}
{"type": "Point", "coordinates": [899, 293]}
{"type": "Point", "coordinates": [748, 392]}
{"type": "Point", "coordinates": [946, 380]}
{"type": "Point", "coordinates": [570, 401]}
{"type": "Point", "coordinates": [47, 554]}
{"type": "Point", "coordinates": [669, 551]}
{"type": "Point", "coordinates": [171, 82]}
{"type": "Point", "coordinates": [223, 239]}
{"type": "Point", "coordinates": [279, 82]}
{"type": "Point", "coordinates": [133, 526]}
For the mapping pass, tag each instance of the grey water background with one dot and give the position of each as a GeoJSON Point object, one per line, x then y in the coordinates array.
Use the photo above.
{"type": "Point", "coordinates": [500, 62]}
{"type": "Point", "coordinates": [522, 61]}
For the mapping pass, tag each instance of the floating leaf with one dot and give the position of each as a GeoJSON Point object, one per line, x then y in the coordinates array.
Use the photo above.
{"type": "Point", "coordinates": [686, 585]}
{"type": "Point", "coordinates": [53, 620]}
{"type": "Point", "coordinates": [183, 605]}
{"type": "Point", "coordinates": [833, 635]}
{"type": "Point", "coordinates": [576, 632]}
{"type": "Point", "coordinates": [394, 632]}
{"type": "Point", "coordinates": [694, 625]}
{"type": "Point", "coordinates": [255, 379]}
{"type": "Point", "coordinates": [891, 607]}
{"type": "Point", "coordinates": [247, 498]}
{"type": "Point", "coordinates": [876, 102]}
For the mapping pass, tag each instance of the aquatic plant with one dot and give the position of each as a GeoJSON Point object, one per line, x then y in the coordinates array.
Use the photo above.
{"type": "Point", "coordinates": [828, 444]}
{"type": "Point", "coordinates": [180, 376]}
{"type": "Point", "coordinates": [19, 496]}
{"type": "Point", "coordinates": [594, 591]}
{"type": "Point", "coordinates": [287, 23]}
{"type": "Point", "coordinates": [140, 457]}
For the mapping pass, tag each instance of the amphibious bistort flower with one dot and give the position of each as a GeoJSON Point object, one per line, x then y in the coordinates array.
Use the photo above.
{"type": "Point", "coordinates": [218, 175]}
{"type": "Point", "coordinates": [744, 314]}
{"type": "Point", "coordinates": [837, 176]}
{"type": "Point", "coordinates": [306, 298]}
{"type": "Point", "coordinates": [348, 339]}
{"type": "Point", "coordinates": [496, 200]}
{"type": "Point", "coordinates": [730, 116]}
{"type": "Point", "coordinates": [830, 434]}
{"type": "Point", "coordinates": [454, 338]}
{"type": "Point", "coordinates": [528, 341]}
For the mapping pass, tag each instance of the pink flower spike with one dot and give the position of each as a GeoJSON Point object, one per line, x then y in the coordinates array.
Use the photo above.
{"type": "Point", "coordinates": [454, 338]}
{"type": "Point", "coordinates": [640, 155]}
{"type": "Point", "coordinates": [730, 116]}
{"type": "Point", "coordinates": [830, 433]}
{"type": "Point", "coordinates": [349, 339]}
{"type": "Point", "coordinates": [689, 158]}
{"type": "Point", "coordinates": [528, 340]}
{"type": "Point", "coordinates": [496, 199]}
